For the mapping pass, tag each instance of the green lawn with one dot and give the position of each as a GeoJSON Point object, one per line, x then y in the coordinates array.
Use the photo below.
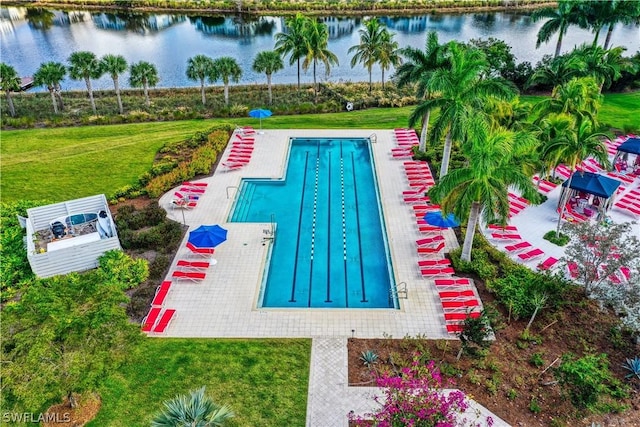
{"type": "Point", "coordinates": [265, 382]}
{"type": "Point", "coordinates": [65, 163]}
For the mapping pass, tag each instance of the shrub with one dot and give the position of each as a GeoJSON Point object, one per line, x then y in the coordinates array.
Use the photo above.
{"type": "Point", "coordinates": [116, 266]}
{"type": "Point", "coordinates": [480, 264]}
{"type": "Point", "coordinates": [561, 240]}
{"type": "Point", "coordinates": [369, 358]}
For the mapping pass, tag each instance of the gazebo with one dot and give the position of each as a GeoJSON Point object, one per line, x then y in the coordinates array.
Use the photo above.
{"type": "Point", "coordinates": [627, 158]}
{"type": "Point", "coordinates": [589, 193]}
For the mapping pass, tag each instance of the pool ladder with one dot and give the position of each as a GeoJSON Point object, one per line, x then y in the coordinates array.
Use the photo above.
{"type": "Point", "coordinates": [400, 291]}
{"type": "Point", "coordinates": [373, 138]}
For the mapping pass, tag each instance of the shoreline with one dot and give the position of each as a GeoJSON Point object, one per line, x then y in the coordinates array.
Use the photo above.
{"type": "Point", "coordinates": [407, 8]}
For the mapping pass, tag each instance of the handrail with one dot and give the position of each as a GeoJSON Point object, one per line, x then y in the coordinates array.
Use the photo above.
{"type": "Point", "coordinates": [400, 291]}
{"type": "Point", "coordinates": [373, 137]}
{"type": "Point", "coordinates": [229, 187]}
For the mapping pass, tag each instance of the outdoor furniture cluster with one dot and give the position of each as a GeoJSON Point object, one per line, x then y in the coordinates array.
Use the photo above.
{"type": "Point", "coordinates": [188, 195]}
{"type": "Point", "coordinates": [516, 204]}
{"type": "Point", "coordinates": [517, 247]}
{"type": "Point", "coordinates": [201, 243]}
{"type": "Point", "coordinates": [241, 148]}
{"type": "Point", "coordinates": [458, 299]}
{"type": "Point", "coordinates": [621, 275]}
{"type": "Point", "coordinates": [406, 139]}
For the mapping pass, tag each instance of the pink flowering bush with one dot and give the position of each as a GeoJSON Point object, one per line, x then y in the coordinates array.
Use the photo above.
{"type": "Point", "coordinates": [415, 398]}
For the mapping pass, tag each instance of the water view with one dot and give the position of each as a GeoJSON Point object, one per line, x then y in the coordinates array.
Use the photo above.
{"type": "Point", "coordinates": [168, 41]}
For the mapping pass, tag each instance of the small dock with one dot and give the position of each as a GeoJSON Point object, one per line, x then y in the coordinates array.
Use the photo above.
{"type": "Point", "coordinates": [26, 83]}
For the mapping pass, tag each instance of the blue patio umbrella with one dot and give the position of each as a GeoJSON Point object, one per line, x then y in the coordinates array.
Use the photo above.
{"type": "Point", "coordinates": [207, 236]}
{"type": "Point", "coordinates": [437, 220]}
{"type": "Point", "coordinates": [260, 114]}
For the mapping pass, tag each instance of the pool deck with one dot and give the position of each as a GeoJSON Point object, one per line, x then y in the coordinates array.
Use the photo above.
{"type": "Point", "coordinates": [225, 303]}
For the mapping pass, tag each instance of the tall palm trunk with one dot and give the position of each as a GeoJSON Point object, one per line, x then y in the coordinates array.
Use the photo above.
{"type": "Point", "coordinates": [12, 110]}
{"type": "Point", "coordinates": [563, 201]}
{"type": "Point", "coordinates": [607, 40]}
{"type": "Point", "coordinates": [53, 99]}
{"type": "Point", "coordinates": [559, 44]}
{"type": "Point", "coordinates": [423, 132]}
{"type": "Point", "coordinates": [226, 93]}
{"type": "Point", "coordinates": [446, 154]}
{"type": "Point", "coordinates": [298, 74]}
{"type": "Point", "coordinates": [87, 80]}
{"type": "Point", "coordinates": [370, 80]}
{"type": "Point", "coordinates": [116, 84]}
{"type": "Point", "coordinates": [202, 95]}
{"type": "Point", "coordinates": [269, 89]}
{"type": "Point", "coordinates": [315, 89]}
{"type": "Point", "coordinates": [58, 92]}
{"type": "Point", "coordinates": [474, 214]}
{"type": "Point", "coordinates": [145, 88]}
{"type": "Point", "coordinates": [383, 79]}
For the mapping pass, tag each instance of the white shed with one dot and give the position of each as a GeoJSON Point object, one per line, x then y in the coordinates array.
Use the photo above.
{"type": "Point", "coordinates": [69, 236]}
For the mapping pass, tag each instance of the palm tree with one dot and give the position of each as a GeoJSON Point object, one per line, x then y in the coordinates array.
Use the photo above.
{"type": "Point", "coordinates": [559, 21]}
{"type": "Point", "coordinates": [460, 92]}
{"type": "Point", "coordinates": [196, 409]}
{"type": "Point", "coordinates": [417, 69]}
{"type": "Point", "coordinates": [114, 65]}
{"type": "Point", "coordinates": [389, 54]}
{"type": "Point", "coordinates": [557, 71]}
{"type": "Point", "coordinates": [598, 14]}
{"type": "Point", "coordinates": [626, 12]}
{"type": "Point", "coordinates": [85, 65]}
{"type": "Point", "coordinates": [198, 68]}
{"type": "Point", "coordinates": [268, 62]}
{"type": "Point", "coordinates": [225, 69]}
{"type": "Point", "coordinates": [482, 186]}
{"type": "Point", "coordinates": [144, 74]}
{"type": "Point", "coordinates": [50, 74]}
{"type": "Point", "coordinates": [553, 129]}
{"type": "Point", "coordinates": [583, 142]}
{"type": "Point", "coordinates": [368, 51]}
{"type": "Point", "coordinates": [606, 66]}
{"type": "Point", "coordinates": [9, 82]}
{"type": "Point", "coordinates": [317, 37]}
{"type": "Point", "coordinates": [579, 98]}
{"type": "Point", "coordinates": [293, 42]}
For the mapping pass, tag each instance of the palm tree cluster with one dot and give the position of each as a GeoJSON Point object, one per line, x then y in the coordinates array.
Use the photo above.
{"type": "Point", "coordinates": [481, 117]}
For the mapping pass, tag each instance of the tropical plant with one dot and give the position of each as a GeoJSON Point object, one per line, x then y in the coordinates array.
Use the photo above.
{"type": "Point", "coordinates": [114, 65]}
{"type": "Point", "coordinates": [556, 71]}
{"type": "Point", "coordinates": [268, 62]}
{"type": "Point", "coordinates": [293, 42]}
{"type": "Point", "coordinates": [475, 335]}
{"type": "Point", "coordinates": [559, 20]}
{"type": "Point", "coordinates": [482, 186]}
{"type": "Point", "coordinates": [606, 66]}
{"type": "Point", "coordinates": [579, 98]}
{"type": "Point", "coordinates": [417, 69]}
{"type": "Point", "coordinates": [415, 397]}
{"type": "Point", "coordinates": [460, 92]}
{"type": "Point", "coordinates": [625, 12]}
{"type": "Point", "coordinates": [195, 409]}
{"type": "Point", "coordinates": [389, 54]}
{"type": "Point", "coordinates": [317, 39]}
{"type": "Point", "coordinates": [86, 66]}
{"type": "Point", "coordinates": [50, 74]}
{"type": "Point", "coordinates": [198, 68]}
{"type": "Point", "coordinates": [9, 82]}
{"type": "Point", "coordinates": [144, 74]}
{"type": "Point", "coordinates": [225, 69]}
{"type": "Point", "coordinates": [632, 365]}
{"type": "Point", "coordinates": [369, 357]}
{"type": "Point", "coordinates": [367, 51]}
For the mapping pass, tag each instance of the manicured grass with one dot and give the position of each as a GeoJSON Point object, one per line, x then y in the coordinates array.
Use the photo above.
{"type": "Point", "coordinates": [265, 382]}
{"type": "Point", "coordinates": [65, 163]}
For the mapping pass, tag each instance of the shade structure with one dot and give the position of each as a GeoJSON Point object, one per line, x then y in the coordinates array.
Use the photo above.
{"type": "Point", "coordinates": [437, 220]}
{"type": "Point", "coordinates": [260, 114]}
{"type": "Point", "coordinates": [592, 183]}
{"type": "Point", "coordinates": [207, 236]}
{"type": "Point", "coordinates": [631, 145]}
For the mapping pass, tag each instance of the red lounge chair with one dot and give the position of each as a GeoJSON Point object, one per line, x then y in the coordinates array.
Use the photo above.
{"type": "Point", "coordinates": [506, 236]}
{"type": "Point", "coordinates": [502, 228]}
{"type": "Point", "coordinates": [573, 269]}
{"type": "Point", "coordinates": [184, 204]}
{"type": "Point", "coordinates": [424, 228]}
{"type": "Point", "coordinates": [167, 316]}
{"type": "Point", "coordinates": [190, 191]}
{"type": "Point", "coordinates": [452, 282]}
{"type": "Point", "coordinates": [205, 252]}
{"type": "Point", "coordinates": [456, 294]}
{"type": "Point", "coordinates": [454, 329]}
{"type": "Point", "coordinates": [429, 240]}
{"type": "Point", "coordinates": [150, 319]}
{"type": "Point", "coordinates": [437, 272]}
{"type": "Point", "coordinates": [233, 166]}
{"type": "Point", "coordinates": [420, 191]}
{"type": "Point", "coordinates": [547, 263]}
{"type": "Point", "coordinates": [402, 155]}
{"type": "Point", "coordinates": [185, 197]}
{"type": "Point", "coordinates": [196, 265]}
{"type": "Point", "coordinates": [520, 246]}
{"type": "Point", "coordinates": [434, 263]}
{"type": "Point", "coordinates": [195, 184]}
{"type": "Point", "coordinates": [532, 254]}
{"type": "Point", "coordinates": [239, 150]}
{"type": "Point", "coordinates": [161, 293]}
{"type": "Point", "coordinates": [450, 317]}
{"type": "Point", "coordinates": [416, 199]}
{"type": "Point", "coordinates": [460, 304]}
{"type": "Point", "coordinates": [245, 130]}
{"type": "Point", "coordinates": [239, 156]}
{"type": "Point", "coordinates": [188, 275]}
{"type": "Point", "coordinates": [435, 250]}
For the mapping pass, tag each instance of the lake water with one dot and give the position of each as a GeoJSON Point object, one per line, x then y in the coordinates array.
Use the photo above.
{"type": "Point", "coordinates": [168, 41]}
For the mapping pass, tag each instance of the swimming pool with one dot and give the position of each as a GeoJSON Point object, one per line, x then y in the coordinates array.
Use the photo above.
{"type": "Point", "coordinates": [330, 248]}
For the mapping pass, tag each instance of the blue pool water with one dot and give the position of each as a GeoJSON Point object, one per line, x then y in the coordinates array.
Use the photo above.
{"type": "Point", "coordinates": [330, 247]}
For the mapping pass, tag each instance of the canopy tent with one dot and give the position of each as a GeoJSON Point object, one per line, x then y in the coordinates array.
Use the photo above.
{"type": "Point", "coordinates": [624, 161]}
{"type": "Point", "coordinates": [581, 184]}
